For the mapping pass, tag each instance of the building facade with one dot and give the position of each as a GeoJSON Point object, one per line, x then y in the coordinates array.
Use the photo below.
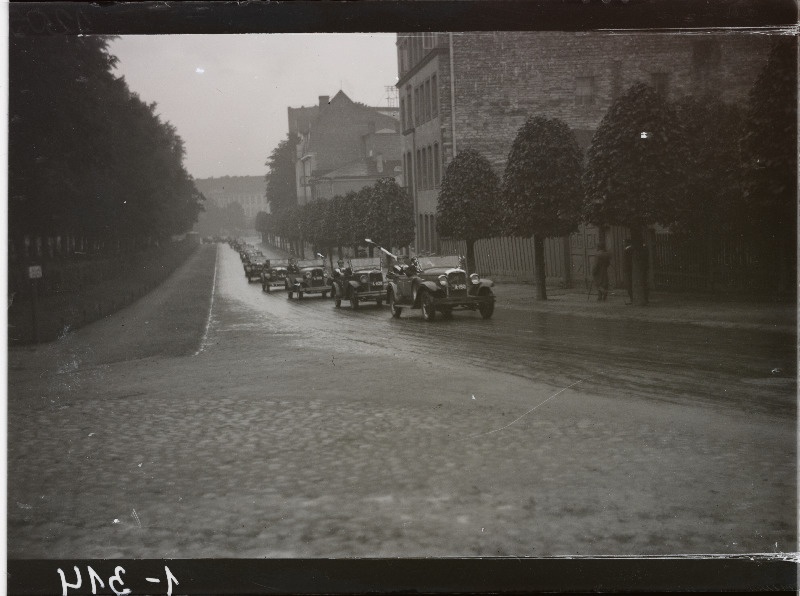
{"type": "Point", "coordinates": [249, 191]}
{"type": "Point", "coordinates": [476, 89]}
{"type": "Point", "coordinates": [343, 146]}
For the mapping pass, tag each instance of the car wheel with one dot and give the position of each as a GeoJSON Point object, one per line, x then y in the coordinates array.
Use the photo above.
{"type": "Point", "coordinates": [299, 295]}
{"type": "Point", "coordinates": [268, 289]}
{"type": "Point", "coordinates": [289, 295]}
{"type": "Point", "coordinates": [337, 302]}
{"type": "Point", "coordinates": [428, 310]}
{"type": "Point", "coordinates": [447, 312]}
{"type": "Point", "coordinates": [354, 299]}
{"type": "Point", "coordinates": [324, 294]}
{"type": "Point", "coordinates": [379, 302]}
{"type": "Point", "coordinates": [486, 308]}
{"type": "Point", "coordinates": [396, 310]}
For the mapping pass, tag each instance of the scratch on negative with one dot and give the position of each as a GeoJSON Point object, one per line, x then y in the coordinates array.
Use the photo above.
{"type": "Point", "coordinates": [136, 517]}
{"type": "Point", "coordinates": [497, 430]}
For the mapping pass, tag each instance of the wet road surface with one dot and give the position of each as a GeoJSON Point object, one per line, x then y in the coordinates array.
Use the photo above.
{"type": "Point", "coordinates": [274, 428]}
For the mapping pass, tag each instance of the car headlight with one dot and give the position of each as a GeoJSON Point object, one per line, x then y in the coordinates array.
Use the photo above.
{"type": "Point", "coordinates": [364, 279]}
{"type": "Point", "coordinates": [307, 275]}
{"type": "Point", "coordinates": [443, 280]}
{"type": "Point", "coordinates": [474, 278]}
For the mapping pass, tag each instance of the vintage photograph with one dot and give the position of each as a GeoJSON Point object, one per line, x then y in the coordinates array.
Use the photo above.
{"type": "Point", "coordinates": [509, 293]}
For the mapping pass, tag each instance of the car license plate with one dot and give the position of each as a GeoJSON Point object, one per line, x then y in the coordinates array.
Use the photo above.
{"type": "Point", "coordinates": [377, 283]}
{"type": "Point", "coordinates": [459, 286]}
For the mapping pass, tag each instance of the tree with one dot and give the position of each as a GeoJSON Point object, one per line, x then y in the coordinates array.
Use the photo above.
{"type": "Point", "coordinates": [715, 202]}
{"type": "Point", "coordinates": [390, 214]}
{"type": "Point", "coordinates": [281, 184]}
{"type": "Point", "coordinates": [542, 191]}
{"type": "Point", "coordinates": [636, 170]}
{"type": "Point", "coordinates": [92, 159]}
{"type": "Point", "coordinates": [468, 205]}
{"type": "Point", "coordinates": [770, 154]}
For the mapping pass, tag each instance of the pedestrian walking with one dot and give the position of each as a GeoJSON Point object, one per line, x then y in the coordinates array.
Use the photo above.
{"type": "Point", "coordinates": [600, 272]}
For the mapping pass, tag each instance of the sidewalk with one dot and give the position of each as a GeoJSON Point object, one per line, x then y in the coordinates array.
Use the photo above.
{"type": "Point", "coordinates": [666, 307]}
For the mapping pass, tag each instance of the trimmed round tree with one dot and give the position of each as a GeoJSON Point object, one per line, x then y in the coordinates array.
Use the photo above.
{"type": "Point", "coordinates": [636, 171]}
{"type": "Point", "coordinates": [391, 213]}
{"type": "Point", "coordinates": [714, 177]}
{"type": "Point", "coordinates": [469, 202]}
{"type": "Point", "coordinates": [542, 192]}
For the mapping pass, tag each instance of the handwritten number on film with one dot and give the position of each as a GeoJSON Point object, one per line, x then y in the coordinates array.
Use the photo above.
{"type": "Point", "coordinates": [115, 582]}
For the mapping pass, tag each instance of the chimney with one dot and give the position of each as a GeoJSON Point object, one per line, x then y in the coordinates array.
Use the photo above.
{"type": "Point", "coordinates": [324, 100]}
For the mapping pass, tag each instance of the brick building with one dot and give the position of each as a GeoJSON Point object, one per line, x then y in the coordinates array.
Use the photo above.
{"type": "Point", "coordinates": [343, 146]}
{"type": "Point", "coordinates": [476, 89]}
{"type": "Point", "coordinates": [249, 191]}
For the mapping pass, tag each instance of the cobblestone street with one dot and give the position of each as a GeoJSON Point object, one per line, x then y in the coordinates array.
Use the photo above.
{"type": "Point", "coordinates": [276, 434]}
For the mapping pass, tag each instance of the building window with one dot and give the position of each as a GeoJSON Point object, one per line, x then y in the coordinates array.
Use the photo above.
{"type": "Point", "coordinates": [660, 81]}
{"type": "Point", "coordinates": [424, 168]}
{"type": "Point", "coordinates": [402, 113]}
{"type": "Point", "coordinates": [430, 168]}
{"type": "Point", "coordinates": [434, 97]}
{"type": "Point", "coordinates": [437, 170]}
{"type": "Point", "coordinates": [417, 170]}
{"type": "Point", "coordinates": [428, 41]}
{"type": "Point", "coordinates": [416, 107]}
{"type": "Point", "coordinates": [584, 91]}
{"type": "Point", "coordinates": [427, 92]}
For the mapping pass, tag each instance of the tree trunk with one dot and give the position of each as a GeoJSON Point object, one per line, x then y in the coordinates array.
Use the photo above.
{"type": "Point", "coordinates": [539, 272]}
{"type": "Point", "coordinates": [640, 267]}
{"type": "Point", "coordinates": [470, 257]}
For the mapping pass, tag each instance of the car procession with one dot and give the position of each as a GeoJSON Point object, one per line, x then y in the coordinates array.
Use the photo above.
{"type": "Point", "coordinates": [435, 285]}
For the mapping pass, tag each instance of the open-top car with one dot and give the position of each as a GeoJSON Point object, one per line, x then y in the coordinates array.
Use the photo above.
{"type": "Point", "coordinates": [273, 274]}
{"type": "Point", "coordinates": [359, 281]}
{"type": "Point", "coordinates": [306, 277]}
{"type": "Point", "coordinates": [436, 284]}
{"type": "Point", "coordinates": [253, 266]}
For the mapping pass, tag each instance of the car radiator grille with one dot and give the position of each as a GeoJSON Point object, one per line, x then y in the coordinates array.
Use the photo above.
{"type": "Point", "coordinates": [458, 284]}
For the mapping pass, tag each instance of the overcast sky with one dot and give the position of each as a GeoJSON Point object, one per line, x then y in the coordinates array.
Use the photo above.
{"type": "Point", "coordinates": [227, 94]}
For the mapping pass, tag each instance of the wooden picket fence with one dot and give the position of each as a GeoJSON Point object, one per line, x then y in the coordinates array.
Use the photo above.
{"type": "Point", "coordinates": [512, 259]}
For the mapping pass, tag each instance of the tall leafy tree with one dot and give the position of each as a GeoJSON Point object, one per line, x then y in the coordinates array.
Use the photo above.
{"type": "Point", "coordinates": [542, 191]}
{"type": "Point", "coordinates": [770, 155]}
{"type": "Point", "coordinates": [636, 171]}
{"type": "Point", "coordinates": [469, 201]}
{"type": "Point", "coordinates": [281, 184]}
{"type": "Point", "coordinates": [91, 159]}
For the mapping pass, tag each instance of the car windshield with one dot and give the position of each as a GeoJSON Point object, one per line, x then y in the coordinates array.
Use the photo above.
{"type": "Point", "coordinates": [259, 260]}
{"type": "Point", "coordinates": [428, 262]}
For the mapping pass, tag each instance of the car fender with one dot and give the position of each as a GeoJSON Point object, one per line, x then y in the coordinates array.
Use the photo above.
{"type": "Point", "coordinates": [391, 286]}
{"type": "Point", "coordinates": [427, 286]}
{"type": "Point", "coordinates": [353, 284]}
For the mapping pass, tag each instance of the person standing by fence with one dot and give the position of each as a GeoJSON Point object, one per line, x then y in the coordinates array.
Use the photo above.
{"type": "Point", "coordinates": [600, 272]}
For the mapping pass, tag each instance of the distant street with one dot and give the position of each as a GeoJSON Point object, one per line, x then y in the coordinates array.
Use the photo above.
{"type": "Point", "coordinates": [270, 427]}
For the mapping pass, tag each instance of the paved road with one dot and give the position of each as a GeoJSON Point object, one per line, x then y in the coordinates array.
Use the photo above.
{"type": "Point", "coordinates": [270, 427]}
